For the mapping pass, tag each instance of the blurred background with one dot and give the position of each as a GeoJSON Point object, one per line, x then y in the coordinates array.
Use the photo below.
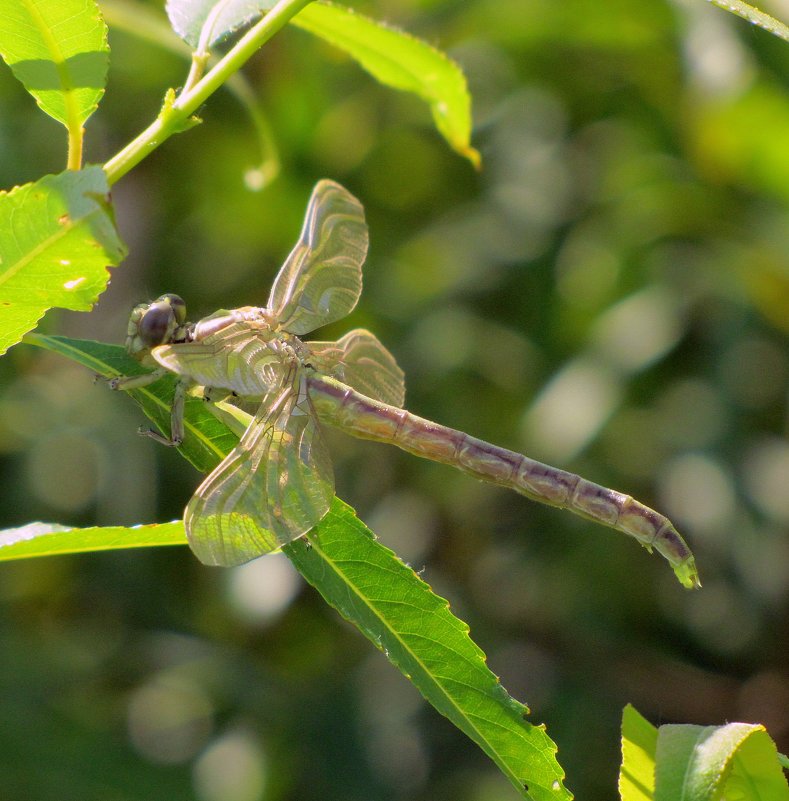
{"type": "Point", "coordinates": [609, 294]}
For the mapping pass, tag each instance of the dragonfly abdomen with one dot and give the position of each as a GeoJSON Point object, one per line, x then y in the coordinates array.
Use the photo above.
{"type": "Point", "coordinates": [341, 406]}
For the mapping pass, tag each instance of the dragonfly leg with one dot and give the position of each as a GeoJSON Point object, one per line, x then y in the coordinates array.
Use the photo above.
{"type": "Point", "coordinates": [176, 421]}
{"type": "Point", "coordinates": [157, 437]}
{"type": "Point", "coordinates": [126, 382]}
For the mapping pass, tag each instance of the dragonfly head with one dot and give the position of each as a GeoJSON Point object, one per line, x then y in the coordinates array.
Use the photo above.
{"type": "Point", "coordinates": [157, 323]}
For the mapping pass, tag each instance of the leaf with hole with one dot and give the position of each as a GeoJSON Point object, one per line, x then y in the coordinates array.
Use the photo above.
{"type": "Point", "coordinates": [57, 238]}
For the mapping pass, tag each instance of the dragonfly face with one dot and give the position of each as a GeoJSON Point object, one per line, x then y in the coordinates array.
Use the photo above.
{"type": "Point", "coordinates": [157, 323]}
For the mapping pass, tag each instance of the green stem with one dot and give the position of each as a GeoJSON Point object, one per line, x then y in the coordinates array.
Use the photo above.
{"type": "Point", "coordinates": [174, 116]}
{"type": "Point", "coordinates": [75, 139]}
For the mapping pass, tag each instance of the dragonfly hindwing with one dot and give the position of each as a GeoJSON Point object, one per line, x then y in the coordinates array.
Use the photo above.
{"type": "Point", "coordinates": [274, 486]}
{"type": "Point", "coordinates": [359, 360]}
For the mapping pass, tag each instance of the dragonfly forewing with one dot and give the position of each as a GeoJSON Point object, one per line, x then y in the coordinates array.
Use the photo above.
{"type": "Point", "coordinates": [274, 486]}
{"type": "Point", "coordinates": [321, 280]}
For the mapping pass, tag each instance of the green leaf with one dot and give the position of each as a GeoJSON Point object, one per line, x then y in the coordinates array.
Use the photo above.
{"type": "Point", "coordinates": [401, 61]}
{"type": "Point", "coordinates": [754, 16]}
{"type": "Point", "coordinates": [639, 741]}
{"type": "Point", "coordinates": [52, 539]}
{"type": "Point", "coordinates": [392, 57]}
{"type": "Point", "coordinates": [738, 761]}
{"type": "Point", "coordinates": [58, 50]}
{"type": "Point", "coordinates": [189, 17]}
{"type": "Point", "coordinates": [368, 585]}
{"type": "Point", "coordinates": [206, 441]}
{"type": "Point", "coordinates": [398, 612]}
{"type": "Point", "coordinates": [57, 237]}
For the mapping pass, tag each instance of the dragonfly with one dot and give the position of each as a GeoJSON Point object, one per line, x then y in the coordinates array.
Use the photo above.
{"type": "Point", "coordinates": [277, 483]}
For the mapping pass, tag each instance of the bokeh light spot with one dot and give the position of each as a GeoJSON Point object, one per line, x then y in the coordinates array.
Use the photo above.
{"type": "Point", "coordinates": [169, 719]}
{"type": "Point", "coordinates": [570, 410]}
{"type": "Point", "coordinates": [262, 589]}
{"type": "Point", "coordinates": [697, 490]}
{"type": "Point", "coordinates": [232, 768]}
{"type": "Point", "coordinates": [767, 478]}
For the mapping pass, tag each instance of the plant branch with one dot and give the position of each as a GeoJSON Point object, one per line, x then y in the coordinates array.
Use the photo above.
{"type": "Point", "coordinates": [176, 112]}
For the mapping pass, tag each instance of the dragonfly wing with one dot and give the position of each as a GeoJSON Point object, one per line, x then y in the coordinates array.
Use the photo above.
{"type": "Point", "coordinates": [359, 360]}
{"type": "Point", "coordinates": [274, 486]}
{"type": "Point", "coordinates": [235, 358]}
{"type": "Point", "coordinates": [321, 280]}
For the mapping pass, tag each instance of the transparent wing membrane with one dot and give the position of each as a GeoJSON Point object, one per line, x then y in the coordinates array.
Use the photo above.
{"type": "Point", "coordinates": [359, 360]}
{"type": "Point", "coordinates": [274, 486]}
{"type": "Point", "coordinates": [321, 280]}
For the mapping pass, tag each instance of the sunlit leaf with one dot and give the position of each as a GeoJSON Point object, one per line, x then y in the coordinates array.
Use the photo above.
{"type": "Point", "coordinates": [58, 50]}
{"type": "Point", "coordinates": [401, 61]}
{"type": "Point", "coordinates": [639, 741]}
{"type": "Point", "coordinates": [57, 237]}
{"type": "Point", "coordinates": [705, 763]}
{"type": "Point", "coordinates": [52, 539]}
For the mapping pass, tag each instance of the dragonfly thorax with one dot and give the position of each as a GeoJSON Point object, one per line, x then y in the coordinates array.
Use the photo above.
{"type": "Point", "coordinates": [235, 351]}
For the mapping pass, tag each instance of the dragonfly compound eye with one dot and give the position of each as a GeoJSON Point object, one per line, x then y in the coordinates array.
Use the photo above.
{"type": "Point", "coordinates": [157, 324]}
{"type": "Point", "coordinates": [177, 304]}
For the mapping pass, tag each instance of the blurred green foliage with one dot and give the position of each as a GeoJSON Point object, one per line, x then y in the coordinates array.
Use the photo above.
{"type": "Point", "coordinates": [610, 294]}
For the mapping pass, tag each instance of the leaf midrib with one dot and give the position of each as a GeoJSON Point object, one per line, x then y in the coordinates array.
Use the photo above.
{"type": "Point", "coordinates": [59, 60]}
{"type": "Point", "coordinates": [364, 599]}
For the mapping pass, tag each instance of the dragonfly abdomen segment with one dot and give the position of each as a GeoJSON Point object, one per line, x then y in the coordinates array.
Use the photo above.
{"type": "Point", "coordinates": [341, 406]}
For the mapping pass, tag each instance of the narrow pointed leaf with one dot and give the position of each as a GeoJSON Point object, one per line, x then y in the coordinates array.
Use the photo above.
{"type": "Point", "coordinates": [754, 16]}
{"type": "Point", "coordinates": [403, 62]}
{"type": "Point", "coordinates": [398, 612]}
{"type": "Point", "coordinates": [52, 539]}
{"type": "Point", "coordinates": [385, 599]}
{"type": "Point", "coordinates": [57, 238]}
{"type": "Point", "coordinates": [58, 50]}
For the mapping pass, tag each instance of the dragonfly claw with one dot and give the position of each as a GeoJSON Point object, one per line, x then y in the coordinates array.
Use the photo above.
{"type": "Point", "coordinates": [162, 440]}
